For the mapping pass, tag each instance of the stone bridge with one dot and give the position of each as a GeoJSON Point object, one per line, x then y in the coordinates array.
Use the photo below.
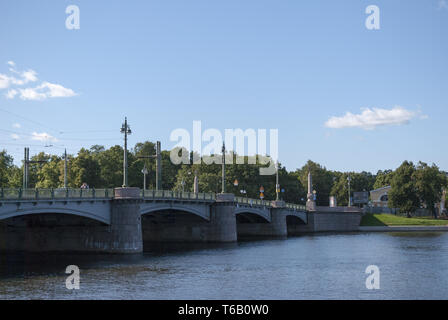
{"type": "Point", "coordinates": [121, 220]}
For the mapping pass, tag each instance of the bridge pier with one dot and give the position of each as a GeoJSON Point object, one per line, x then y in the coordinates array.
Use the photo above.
{"type": "Point", "coordinates": [222, 219]}
{"type": "Point", "coordinates": [275, 228]}
{"type": "Point", "coordinates": [125, 226]}
{"type": "Point", "coordinates": [172, 224]}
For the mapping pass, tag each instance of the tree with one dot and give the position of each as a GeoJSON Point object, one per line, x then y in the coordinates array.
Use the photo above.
{"type": "Point", "coordinates": [358, 182]}
{"type": "Point", "coordinates": [403, 193]}
{"type": "Point", "coordinates": [85, 168]}
{"type": "Point", "coordinates": [322, 181]}
{"type": "Point", "coordinates": [48, 175]}
{"type": "Point", "coordinates": [383, 179]}
{"type": "Point", "coordinates": [429, 182]}
{"type": "Point", "coordinates": [6, 164]}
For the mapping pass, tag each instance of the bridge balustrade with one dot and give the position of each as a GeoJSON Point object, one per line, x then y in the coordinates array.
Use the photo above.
{"type": "Point", "coordinates": [62, 193]}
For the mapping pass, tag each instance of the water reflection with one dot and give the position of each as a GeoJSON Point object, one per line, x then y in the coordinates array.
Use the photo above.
{"type": "Point", "coordinates": [319, 266]}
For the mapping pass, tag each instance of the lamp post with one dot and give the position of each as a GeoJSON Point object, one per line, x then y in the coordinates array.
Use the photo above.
{"type": "Point", "coordinates": [223, 182]}
{"type": "Point", "coordinates": [196, 182]}
{"type": "Point", "coordinates": [145, 172]}
{"type": "Point", "coordinates": [349, 179]}
{"type": "Point", "coordinates": [126, 130]}
{"type": "Point", "coordinates": [183, 181]}
{"type": "Point", "coordinates": [277, 185]}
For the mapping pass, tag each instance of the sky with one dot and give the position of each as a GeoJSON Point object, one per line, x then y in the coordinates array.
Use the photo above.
{"type": "Point", "coordinates": [345, 96]}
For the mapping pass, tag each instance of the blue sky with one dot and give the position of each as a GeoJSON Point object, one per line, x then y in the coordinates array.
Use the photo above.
{"type": "Point", "coordinates": [286, 65]}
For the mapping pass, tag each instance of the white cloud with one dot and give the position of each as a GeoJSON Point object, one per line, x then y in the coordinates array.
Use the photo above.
{"type": "Point", "coordinates": [11, 94]}
{"type": "Point", "coordinates": [5, 81]}
{"type": "Point", "coordinates": [56, 90]}
{"type": "Point", "coordinates": [43, 137]}
{"type": "Point", "coordinates": [17, 125]}
{"type": "Point", "coordinates": [371, 118]}
{"type": "Point", "coordinates": [29, 76]}
{"type": "Point", "coordinates": [15, 136]}
{"type": "Point", "coordinates": [40, 92]}
{"type": "Point", "coordinates": [46, 90]}
{"type": "Point", "coordinates": [31, 94]}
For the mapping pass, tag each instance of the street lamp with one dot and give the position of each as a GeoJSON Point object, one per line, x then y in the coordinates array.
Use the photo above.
{"type": "Point", "coordinates": [125, 129]}
{"type": "Point", "coordinates": [183, 181]}
{"type": "Point", "coordinates": [349, 179]}
{"type": "Point", "coordinates": [277, 185]}
{"type": "Point", "coordinates": [145, 172]}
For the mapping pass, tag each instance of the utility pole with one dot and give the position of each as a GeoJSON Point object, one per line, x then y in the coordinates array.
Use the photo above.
{"type": "Point", "coordinates": [349, 198]}
{"type": "Point", "coordinates": [158, 166]}
{"type": "Point", "coordinates": [145, 172]}
{"type": "Point", "coordinates": [223, 182]}
{"type": "Point", "coordinates": [196, 182]}
{"type": "Point", "coordinates": [158, 157]}
{"type": "Point", "coordinates": [126, 130]}
{"type": "Point", "coordinates": [26, 167]}
{"type": "Point", "coordinates": [277, 185]}
{"type": "Point", "coordinates": [65, 169]}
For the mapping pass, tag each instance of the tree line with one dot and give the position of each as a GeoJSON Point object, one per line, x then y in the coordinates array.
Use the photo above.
{"type": "Point", "coordinates": [413, 185]}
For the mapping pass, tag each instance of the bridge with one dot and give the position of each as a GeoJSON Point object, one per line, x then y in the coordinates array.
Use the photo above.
{"type": "Point", "coordinates": [122, 220]}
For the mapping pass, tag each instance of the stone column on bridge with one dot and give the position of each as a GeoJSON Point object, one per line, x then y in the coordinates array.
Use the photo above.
{"type": "Point", "coordinates": [278, 219]}
{"type": "Point", "coordinates": [125, 227]}
{"type": "Point", "coordinates": [222, 219]}
{"type": "Point", "coordinates": [310, 203]}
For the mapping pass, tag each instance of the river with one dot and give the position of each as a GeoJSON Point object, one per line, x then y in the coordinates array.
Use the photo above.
{"type": "Point", "coordinates": [319, 266]}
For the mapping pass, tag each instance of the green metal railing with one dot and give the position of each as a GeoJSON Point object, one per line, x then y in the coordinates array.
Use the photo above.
{"type": "Point", "coordinates": [168, 194]}
{"type": "Point", "coordinates": [61, 193]}
{"type": "Point", "coordinates": [257, 202]}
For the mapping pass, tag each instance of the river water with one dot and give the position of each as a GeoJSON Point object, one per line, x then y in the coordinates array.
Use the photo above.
{"type": "Point", "coordinates": [322, 266]}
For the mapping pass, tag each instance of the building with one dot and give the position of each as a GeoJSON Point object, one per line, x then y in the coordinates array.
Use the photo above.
{"type": "Point", "coordinates": [379, 197]}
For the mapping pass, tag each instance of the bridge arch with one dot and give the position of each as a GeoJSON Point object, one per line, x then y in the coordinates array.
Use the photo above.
{"type": "Point", "coordinates": [42, 211]}
{"type": "Point", "coordinates": [250, 214]}
{"type": "Point", "coordinates": [296, 218]}
{"type": "Point", "coordinates": [200, 212]}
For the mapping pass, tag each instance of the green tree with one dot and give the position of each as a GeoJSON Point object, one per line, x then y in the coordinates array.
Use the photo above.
{"type": "Point", "coordinates": [85, 168]}
{"type": "Point", "coordinates": [6, 164]}
{"type": "Point", "coordinates": [322, 181]}
{"type": "Point", "coordinates": [48, 175]}
{"type": "Point", "coordinates": [383, 179]}
{"type": "Point", "coordinates": [403, 193]}
{"type": "Point", "coordinates": [429, 182]}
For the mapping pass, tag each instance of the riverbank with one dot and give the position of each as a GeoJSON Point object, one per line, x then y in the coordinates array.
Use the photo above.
{"type": "Point", "coordinates": [404, 228]}
{"type": "Point", "coordinates": [390, 220]}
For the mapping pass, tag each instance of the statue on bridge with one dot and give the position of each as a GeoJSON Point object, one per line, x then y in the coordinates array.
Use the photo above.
{"type": "Point", "coordinates": [311, 202]}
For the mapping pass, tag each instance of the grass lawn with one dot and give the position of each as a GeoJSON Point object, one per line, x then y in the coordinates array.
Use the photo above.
{"type": "Point", "coordinates": [377, 220]}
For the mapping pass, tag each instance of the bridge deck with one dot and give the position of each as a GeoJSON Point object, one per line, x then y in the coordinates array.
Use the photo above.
{"type": "Point", "coordinates": [19, 194]}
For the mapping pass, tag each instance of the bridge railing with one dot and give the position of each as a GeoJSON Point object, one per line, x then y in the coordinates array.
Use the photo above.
{"type": "Point", "coordinates": [60, 193]}
{"type": "Point", "coordinates": [169, 194]}
{"type": "Point", "coordinates": [294, 206]}
{"type": "Point", "coordinates": [250, 201]}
